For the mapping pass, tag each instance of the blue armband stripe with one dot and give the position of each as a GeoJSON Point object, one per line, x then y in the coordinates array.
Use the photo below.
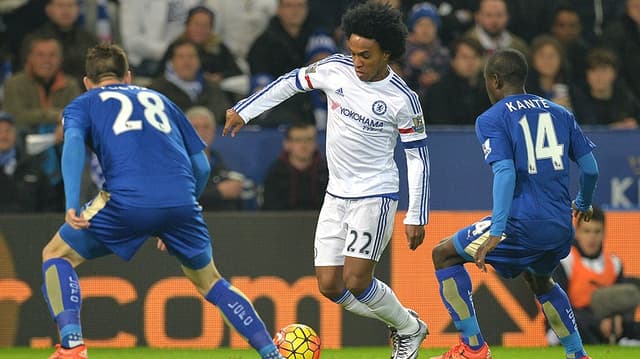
{"type": "Point", "coordinates": [415, 144]}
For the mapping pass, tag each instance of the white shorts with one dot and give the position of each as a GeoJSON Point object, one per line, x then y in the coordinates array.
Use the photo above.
{"type": "Point", "coordinates": [358, 228]}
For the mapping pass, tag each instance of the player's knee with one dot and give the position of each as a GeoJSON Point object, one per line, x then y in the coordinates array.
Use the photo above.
{"type": "Point", "coordinates": [50, 251]}
{"type": "Point", "coordinates": [440, 253]}
{"type": "Point", "coordinates": [357, 284]}
{"type": "Point", "coordinates": [329, 289]}
{"type": "Point", "coordinates": [539, 284]}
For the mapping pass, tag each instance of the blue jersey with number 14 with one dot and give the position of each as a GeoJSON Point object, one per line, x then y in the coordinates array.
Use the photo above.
{"type": "Point", "coordinates": [143, 142]}
{"type": "Point", "coordinates": [540, 137]}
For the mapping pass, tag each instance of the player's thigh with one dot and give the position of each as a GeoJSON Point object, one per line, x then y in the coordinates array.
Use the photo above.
{"type": "Point", "coordinates": [59, 248]}
{"type": "Point", "coordinates": [369, 227]}
{"type": "Point", "coordinates": [187, 237]}
{"type": "Point", "coordinates": [330, 233]}
{"type": "Point", "coordinates": [121, 229]}
{"type": "Point", "coordinates": [546, 262]}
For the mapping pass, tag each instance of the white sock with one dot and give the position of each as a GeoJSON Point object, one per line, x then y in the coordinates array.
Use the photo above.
{"type": "Point", "coordinates": [349, 302]}
{"type": "Point", "coordinates": [382, 301]}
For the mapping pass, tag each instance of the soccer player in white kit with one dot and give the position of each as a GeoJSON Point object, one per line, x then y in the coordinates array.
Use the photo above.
{"type": "Point", "coordinates": [368, 106]}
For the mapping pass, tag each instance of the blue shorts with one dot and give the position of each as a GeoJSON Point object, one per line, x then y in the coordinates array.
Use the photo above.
{"type": "Point", "coordinates": [122, 230]}
{"type": "Point", "coordinates": [511, 257]}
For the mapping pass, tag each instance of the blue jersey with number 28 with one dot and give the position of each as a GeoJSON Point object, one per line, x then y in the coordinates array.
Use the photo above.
{"type": "Point", "coordinates": [143, 142]}
{"type": "Point", "coordinates": [540, 137]}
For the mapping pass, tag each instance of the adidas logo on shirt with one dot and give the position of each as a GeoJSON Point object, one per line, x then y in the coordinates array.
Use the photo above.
{"type": "Point", "coordinates": [339, 91]}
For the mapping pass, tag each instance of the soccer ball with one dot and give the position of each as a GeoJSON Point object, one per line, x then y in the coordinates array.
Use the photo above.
{"type": "Point", "coordinates": [298, 341]}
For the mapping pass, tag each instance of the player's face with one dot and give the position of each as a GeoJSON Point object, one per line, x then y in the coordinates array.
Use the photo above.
{"type": "Point", "coordinates": [186, 62]}
{"type": "Point", "coordinates": [590, 236]}
{"type": "Point", "coordinates": [492, 16]}
{"type": "Point", "coordinates": [199, 27]}
{"type": "Point", "coordinates": [63, 13]}
{"type": "Point", "coordinates": [7, 136]}
{"type": "Point", "coordinates": [369, 61]}
{"type": "Point", "coordinates": [45, 59]}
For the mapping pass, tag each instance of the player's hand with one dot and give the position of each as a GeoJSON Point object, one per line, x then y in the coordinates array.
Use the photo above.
{"type": "Point", "coordinates": [233, 123]}
{"type": "Point", "coordinates": [160, 245]}
{"type": "Point", "coordinates": [581, 215]}
{"type": "Point", "coordinates": [415, 235]}
{"type": "Point", "coordinates": [484, 249]}
{"type": "Point", "coordinates": [74, 220]}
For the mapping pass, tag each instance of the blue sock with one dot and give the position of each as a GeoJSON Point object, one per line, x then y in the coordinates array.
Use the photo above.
{"type": "Point", "coordinates": [557, 310]}
{"type": "Point", "coordinates": [61, 291]}
{"type": "Point", "coordinates": [455, 291]}
{"type": "Point", "coordinates": [240, 313]}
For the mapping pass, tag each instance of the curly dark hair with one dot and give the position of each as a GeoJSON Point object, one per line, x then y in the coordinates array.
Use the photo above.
{"type": "Point", "coordinates": [379, 22]}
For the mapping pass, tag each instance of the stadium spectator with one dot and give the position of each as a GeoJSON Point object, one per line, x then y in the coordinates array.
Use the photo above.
{"type": "Point", "coordinates": [549, 73]}
{"type": "Point", "coordinates": [456, 16]}
{"type": "Point", "coordinates": [566, 28]}
{"type": "Point", "coordinates": [278, 50]}
{"type": "Point", "coordinates": [62, 24]}
{"type": "Point", "coordinates": [20, 18]}
{"type": "Point", "coordinates": [371, 106]}
{"type": "Point", "coordinates": [491, 21]}
{"type": "Point", "coordinates": [37, 94]}
{"type": "Point", "coordinates": [184, 83]}
{"type": "Point", "coordinates": [623, 36]}
{"type": "Point", "coordinates": [216, 59]}
{"type": "Point", "coordinates": [530, 228]}
{"type": "Point", "coordinates": [603, 300]}
{"type": "Point", "coordinates": [460, 96]}
{"type": "Point", "coordinates": [153, 195]}
{"type": "Point", "coordinates": [596, 16]}
{"type": "Point", "coordinates": [224, 188]}
{"type": "Point", "coordinates": [606, 100]}
{"type": "Point", "coordinates": [297, 180]}
{"type": "Point", "coordinates": [25, 187]}
{"type": "Point", "coordinates": [36, 97]}
{"type": "Point", "coordinates": [147, 27]}
{"type": "Point", "coordinates": [425, 60]}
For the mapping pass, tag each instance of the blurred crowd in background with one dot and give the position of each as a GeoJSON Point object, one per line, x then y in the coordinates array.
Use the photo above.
{"type": "Point", "coordinates": [207, 54]}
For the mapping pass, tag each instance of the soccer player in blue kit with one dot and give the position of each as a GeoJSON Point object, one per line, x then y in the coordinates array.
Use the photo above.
{"type": "Point", "coordinates": [528, 141]}
{"type": "Point", "coordinates": [155, 169]}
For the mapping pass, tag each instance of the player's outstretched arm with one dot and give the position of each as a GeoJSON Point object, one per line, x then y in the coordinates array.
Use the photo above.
{"type": "Point", "coordinates": [589, 173]}
{"type": "Point", "coordinates": [233, 123]}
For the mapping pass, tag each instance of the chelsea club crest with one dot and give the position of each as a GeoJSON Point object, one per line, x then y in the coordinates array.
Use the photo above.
{"type": "Point", "coordinates": [379, 108]}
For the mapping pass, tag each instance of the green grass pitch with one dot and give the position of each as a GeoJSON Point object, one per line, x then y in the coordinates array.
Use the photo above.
{"type": "Point", "coordinates": [596, 352]}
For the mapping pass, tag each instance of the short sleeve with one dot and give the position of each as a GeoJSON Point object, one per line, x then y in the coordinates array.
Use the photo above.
{"type": "Point", "coordinates": [493, 138]}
